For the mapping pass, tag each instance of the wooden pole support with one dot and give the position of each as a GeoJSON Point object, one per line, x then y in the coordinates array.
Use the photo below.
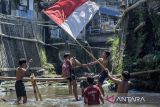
{"type": "Point", "coordinates": [69, 87]}
{"type": "Point", "coordinates": [39, 94]}
{"type": "Point", "coordinates": [33, 84]}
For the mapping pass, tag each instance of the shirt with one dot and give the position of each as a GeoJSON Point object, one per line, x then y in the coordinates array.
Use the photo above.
{"type": "Point", "coordinates": [92, 95]}
{"type": "Point", "coordinates": [66, 68]}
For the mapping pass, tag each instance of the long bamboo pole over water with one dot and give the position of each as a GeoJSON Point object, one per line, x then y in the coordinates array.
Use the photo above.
{"type": "Point", "coordinates": [55, 79]}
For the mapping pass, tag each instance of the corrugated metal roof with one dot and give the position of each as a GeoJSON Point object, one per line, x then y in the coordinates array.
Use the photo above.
{"type": "Point", "coordinates": [110, 11]}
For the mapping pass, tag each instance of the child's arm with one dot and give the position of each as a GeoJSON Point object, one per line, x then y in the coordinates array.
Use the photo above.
{"type": "Point", "coordinates": [100, 95]}
{"type": "Point", "coordinates": [131, 84]}
{"type": "Point", "coordinates": [92, 63]}
{"type": "Point", "coordinates": [113, 79]}
{"type": "Point", "coordinates": [75, 63]}
{"type": "Point", "coordinates": [101, 99]}
{"type": "Point", "coordinates": [27, 71]}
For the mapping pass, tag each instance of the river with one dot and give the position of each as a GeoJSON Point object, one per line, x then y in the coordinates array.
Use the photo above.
{"type": "Point", "coordinates": [55, 96]}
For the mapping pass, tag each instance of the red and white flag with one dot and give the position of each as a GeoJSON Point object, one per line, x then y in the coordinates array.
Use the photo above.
{"type": "Point", "coordinates": [72, 15]}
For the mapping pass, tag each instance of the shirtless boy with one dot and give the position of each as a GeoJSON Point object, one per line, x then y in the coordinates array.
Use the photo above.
{"type": "Point", "coordinates": [123, 85]}
{"type": "Point", "coordinates": [103, 75]}
{"type": "Point", "coordinates": [19, 85]}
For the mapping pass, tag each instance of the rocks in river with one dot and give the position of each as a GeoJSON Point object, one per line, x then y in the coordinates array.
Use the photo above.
{"type": "Point", "coordinates": [3, 100]}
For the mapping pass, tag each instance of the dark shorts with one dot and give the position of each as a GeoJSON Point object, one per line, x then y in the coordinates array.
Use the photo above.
{"type": "Point", "coordinates": [103, 75]}
{"type": "Point", "coordinates": [20, 89]}
{"type": "Point", "coordinates": [72, 77]}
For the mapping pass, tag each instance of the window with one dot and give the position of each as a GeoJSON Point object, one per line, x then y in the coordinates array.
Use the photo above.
{"type": "Point", "coordinates": [104, 18]}
{"type": "Point", "coordinates": [23, 2]}
{"type": "Point", "coordinates": [55, 33]}
{"type": "Point", "coordinates": [23, 5]}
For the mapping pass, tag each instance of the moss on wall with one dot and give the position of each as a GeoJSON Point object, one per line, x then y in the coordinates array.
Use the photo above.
{"type": "Point", "coordinates": [47, 66]}
{"type": "Point", "coordinates": [116, 54]}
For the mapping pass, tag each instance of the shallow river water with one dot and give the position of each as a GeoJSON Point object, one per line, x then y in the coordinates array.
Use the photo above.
{"type": "Point", "coordinates": [56, 96]}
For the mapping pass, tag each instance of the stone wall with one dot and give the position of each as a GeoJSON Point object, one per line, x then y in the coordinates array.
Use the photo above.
{"type": "Point", "coordinates": [19, 38]}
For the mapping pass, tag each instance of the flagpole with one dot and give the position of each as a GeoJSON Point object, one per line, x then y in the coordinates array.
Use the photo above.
{"type": "Point", "coordinates": [89, 53]}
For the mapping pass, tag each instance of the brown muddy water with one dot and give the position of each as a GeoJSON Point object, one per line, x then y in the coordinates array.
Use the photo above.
{"type": "Point", "coordinates": [55, 96]}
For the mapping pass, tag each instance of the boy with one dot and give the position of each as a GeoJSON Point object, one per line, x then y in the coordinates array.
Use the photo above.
{"type": "Point", "coordinates": [19, 85]}
{"type": "Point", "coordinates": [92, 94]}
{"type": "Point", "coordinates": [68, 73]}
{"type": "Point", "coordinates": [123, 85]}
{"type": "Point", "coordinates": [103, 75]}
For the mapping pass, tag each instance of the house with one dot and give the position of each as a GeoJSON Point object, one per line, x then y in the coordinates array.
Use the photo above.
{"type": "Point", "coordinates": [27, 9]}
{"type": "Point", "coordinates": [102, 25]}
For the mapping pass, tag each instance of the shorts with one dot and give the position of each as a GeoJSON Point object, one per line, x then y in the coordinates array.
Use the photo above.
{"type": "Point", "coordinates": [72, 77]}
{"type": "Point", "coordinates": [20, 89]}
{"type": "Point", "coordinates": [103, 75]}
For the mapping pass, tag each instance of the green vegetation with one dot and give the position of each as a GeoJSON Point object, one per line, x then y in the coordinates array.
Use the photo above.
{"type": "Point", "coordinates": [148, 62]}
{"type": "Point", "coordinates": [43, 56]}
{"type": "Point", "coordinates": [142, 47]}
{"type": "Point", "coordinates": [50, 68]}
{"type": "Point", "coordinates": [47, 66]}
{"type": "Point", "coordinates": [117, 54]}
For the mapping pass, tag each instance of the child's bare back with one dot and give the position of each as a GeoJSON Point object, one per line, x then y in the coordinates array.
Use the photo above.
{"type": "Point", "coordinates": [20, 73]}
{"type": "Point", "coordinates": [123, 85]}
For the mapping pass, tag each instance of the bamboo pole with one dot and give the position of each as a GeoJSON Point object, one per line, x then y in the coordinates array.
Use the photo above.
{"type": "Point", "coordinates": [40, 79]}
{"type": "Point", "coordinates": [141, 25]}
{"type": "Point", "coordinates": [38, 92]}
{"type": "Point", "coordinates": [128, 10]}
{"type": "Point", "coordinates": [23, 39]}
{"type": "Point", "coordinates": [32, 68]}
{"type": "Point", "coordinates": [81, 78]}
{"type": "Point", "coordinates": [34, 88]}
{"type": "Point", "coordinates": [90, 54]}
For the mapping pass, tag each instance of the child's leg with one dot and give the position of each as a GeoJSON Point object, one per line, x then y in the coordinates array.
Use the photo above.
{"type": "Point", "coordinates": [18, 100]}
{"type": "Point", "coordinates": [74, 84]}
{"type": "Point", "coordinates": [24, 99]}
{"type": "Point", "coordinates": [103, 75]}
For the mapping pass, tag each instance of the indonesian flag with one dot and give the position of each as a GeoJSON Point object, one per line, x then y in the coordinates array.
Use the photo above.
{"type": "Point", "coordinates": [72, 15]}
